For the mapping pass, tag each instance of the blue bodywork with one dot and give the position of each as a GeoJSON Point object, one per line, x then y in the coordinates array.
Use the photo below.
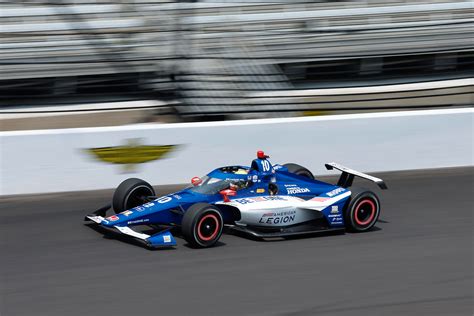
{"type": "Point", "coordinates": [168, 210]}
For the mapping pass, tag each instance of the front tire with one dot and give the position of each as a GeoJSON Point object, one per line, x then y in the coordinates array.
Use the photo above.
{"type": "Point", "coordinates": [202, 225]}
{"type": "Point", "coordinates": [363, 211]}
{"type": "Point", "coordinates": [131, 193]}
{"type": "Point", "coordinates": [299, 170]}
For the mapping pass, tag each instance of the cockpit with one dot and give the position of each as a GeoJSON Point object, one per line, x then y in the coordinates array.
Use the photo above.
{"type": "Point", "coordinates": [210, 185]}
{"type": "Point", "coordinates": [261, 174]}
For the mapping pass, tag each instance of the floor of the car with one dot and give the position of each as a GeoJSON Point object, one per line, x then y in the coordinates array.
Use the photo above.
{"type": "Point", "coordinates": [284, 232]}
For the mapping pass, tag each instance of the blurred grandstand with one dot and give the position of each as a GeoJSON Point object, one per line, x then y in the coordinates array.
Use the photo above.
{"type": "Point", "coordinates": [228, 59]}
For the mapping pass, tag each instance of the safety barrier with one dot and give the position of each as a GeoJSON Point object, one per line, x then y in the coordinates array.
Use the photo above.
{"type": "Point", "coordinates": [98, 158]}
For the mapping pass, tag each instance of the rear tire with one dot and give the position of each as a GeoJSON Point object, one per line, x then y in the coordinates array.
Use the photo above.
{"type": "Point", "coordinates": [131, 193]}
{"type": "Point", "coordinates": [363, 210]}
{"type": "Point", "coordinates": [299, 170]}
{"type": "Point", "coordinates": [202, 225]}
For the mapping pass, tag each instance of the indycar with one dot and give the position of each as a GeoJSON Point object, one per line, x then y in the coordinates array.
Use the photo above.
{"type": "Point", "coordinates": [262, 201]}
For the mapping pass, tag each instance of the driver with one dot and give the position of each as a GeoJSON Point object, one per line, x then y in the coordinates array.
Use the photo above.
{"type": "Point", "coordinates": [261, 174]}
{"type": "Point", "coordinates": [238, 185]}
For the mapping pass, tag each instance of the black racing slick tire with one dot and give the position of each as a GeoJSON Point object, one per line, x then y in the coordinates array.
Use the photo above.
{"type": "Point", "coordinates": [299, 170]}
{"type": "Point", "coordinates": [202, 225]}
{"type": "Point", "coordinates": [131, 193]}
{"type": "Point", "coordinates": [362, 211]}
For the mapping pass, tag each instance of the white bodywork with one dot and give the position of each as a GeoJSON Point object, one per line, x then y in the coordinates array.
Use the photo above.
{"type": "Point", "coordinates": [282, 210]}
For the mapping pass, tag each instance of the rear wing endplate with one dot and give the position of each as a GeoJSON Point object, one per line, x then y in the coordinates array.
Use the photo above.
{"type": "Point", "coordinates": [347, 176]}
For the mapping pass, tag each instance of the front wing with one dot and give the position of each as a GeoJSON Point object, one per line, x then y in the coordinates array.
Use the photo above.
{"type": "Point", "coordinates": [161, 239]}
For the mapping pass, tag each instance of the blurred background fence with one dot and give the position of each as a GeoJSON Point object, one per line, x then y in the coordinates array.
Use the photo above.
{"type": "Point", "coordinates": [228, 59]}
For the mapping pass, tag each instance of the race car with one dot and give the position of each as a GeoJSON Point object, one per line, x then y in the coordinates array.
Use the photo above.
{"type": "Point", "coordinates": [262, 201]}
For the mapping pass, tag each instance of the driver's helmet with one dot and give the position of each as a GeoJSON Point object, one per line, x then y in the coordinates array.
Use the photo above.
{"type": "Point", "coordinates": [238, 185]}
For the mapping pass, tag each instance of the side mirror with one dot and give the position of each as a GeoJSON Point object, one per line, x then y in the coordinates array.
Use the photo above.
{"type": "Point", "coordinates": [226, 193]}
{"type": "Point", "coordinates": [196, 181]}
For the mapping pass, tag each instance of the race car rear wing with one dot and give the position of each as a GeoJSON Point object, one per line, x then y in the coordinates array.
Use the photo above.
{"type": "Point", "coordinates": [347, 176]}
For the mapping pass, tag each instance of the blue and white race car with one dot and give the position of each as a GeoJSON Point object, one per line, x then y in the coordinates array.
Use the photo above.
{"type": "Point", "coordinates": [261, 201]}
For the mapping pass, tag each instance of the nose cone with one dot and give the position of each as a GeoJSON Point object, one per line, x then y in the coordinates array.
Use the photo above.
{"type": "Point", "coordinates": [121, 219]}
{"type": "Point", "coordinates": [148, 213]}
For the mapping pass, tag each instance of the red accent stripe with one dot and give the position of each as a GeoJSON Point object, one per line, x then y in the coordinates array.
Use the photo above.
{"type": "Point", "coordinates": [372, 214]}
{"type": "Point", "coordinates": [215, 231]}
{"type": "Point", "coordinates": [319, 199]}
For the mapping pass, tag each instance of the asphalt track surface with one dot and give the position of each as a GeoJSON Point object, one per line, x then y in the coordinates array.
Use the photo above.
{"type": "Point", "coordinates": [418, 261]}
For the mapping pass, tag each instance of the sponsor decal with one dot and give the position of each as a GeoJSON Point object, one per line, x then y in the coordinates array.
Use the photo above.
{"type": "Point", "coordinates": [277, 220]}
{"type": "Point", "coordinates": [138, 221]}
{"type": "Point", "coordinates": [335, 192]}
{"type": "Point", "coordinates": [243, 201]}
{"type": "Point", "coordinates": [139, 208]}
{"type": "Point", "coordinates": [336, 220]}
{"type": "Point", "coordinates": [113, 218]}
{"type": "Point", "coordinates": [296, 190]}
{"type": "Point", "coordinates": [279, 213]}
{"type": "Point", "coordinates": [178, 197]}
{"type": "Point", "coordinates": [126, 213]}
{"type": "Point", "coordinates": [131, 154]}
{"type": "Point", "coordinates": [334, 209]}
{"type": "Point", "coordinates": [272, 218]}
{"type": "Point", "coordinates": [149, 204]}
{"type": "Point", "coordinates": [254, 178]}
{"type": "Point", "coordinates": [166, 238]}
{"type": "Point", "coordinates": [260, 190]}
{"type": "Point", "coordinates": [268, 198]}
{"type": "Point", "coordinates": [259, 199]}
